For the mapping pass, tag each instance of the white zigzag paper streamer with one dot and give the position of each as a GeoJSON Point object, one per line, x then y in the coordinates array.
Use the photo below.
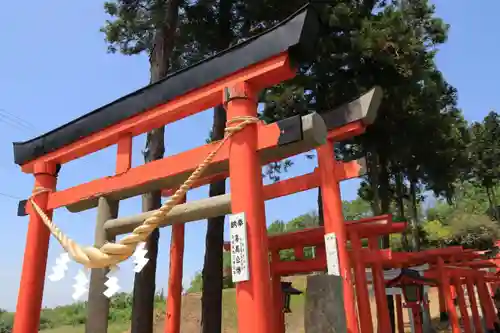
{"type": "Point", "coordinates": [60, 268]}
{"type": "Point", "coordinates": [140, 259]}
{"type": "Point", "coordinates": [81, 285]}
{"type": "Point", "coordinates": [111, 283]}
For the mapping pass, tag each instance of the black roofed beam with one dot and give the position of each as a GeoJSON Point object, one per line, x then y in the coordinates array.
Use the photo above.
{"type": "Point", "coordinates": [295, 38]}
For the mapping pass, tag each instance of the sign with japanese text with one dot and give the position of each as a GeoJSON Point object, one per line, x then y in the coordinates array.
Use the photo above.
{"type": "Point", "coordinates": [239, 248]}
{"type": "Point", "coordinates": [332, 254]}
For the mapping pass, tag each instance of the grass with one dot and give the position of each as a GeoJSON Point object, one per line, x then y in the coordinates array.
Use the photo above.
{"type": "Point", "coordinates": [113, 328]}
{"type": "Point", "coordinates": [191, 309]}
{"type": "Point", "coordinates": [191, 313]}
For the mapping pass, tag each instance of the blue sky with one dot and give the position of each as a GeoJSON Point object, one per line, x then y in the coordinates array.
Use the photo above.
{"type": "Point", "coordinates": [54, 68]}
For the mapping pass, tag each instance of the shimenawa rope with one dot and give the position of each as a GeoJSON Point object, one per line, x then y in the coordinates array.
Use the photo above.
{"type": "Point", "coordinates": [110, 254]}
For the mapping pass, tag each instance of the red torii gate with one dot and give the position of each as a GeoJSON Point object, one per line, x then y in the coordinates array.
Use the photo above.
{"type": "Point", "coordinates": [234, 78]}
{"type": "Point", "coordinates": [364, 228]}
{"type": "Point", "coordinates": [327, 176]}
{"type": "Point", "coordinates": [339, 171]}
{"type": "Point", "coordinates": [385, 259]}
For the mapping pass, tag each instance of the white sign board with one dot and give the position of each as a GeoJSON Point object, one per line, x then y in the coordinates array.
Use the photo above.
{"type": "Point", "coordinates": [239, 247]}
{"type": "Point", "coordinates": [332, 254]}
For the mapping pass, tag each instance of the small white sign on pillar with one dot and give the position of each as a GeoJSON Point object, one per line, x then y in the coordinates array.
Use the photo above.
{"type": "Point", "coordinates": [332, 254]}
{"type": "Point", "coordinates": [239, 247]}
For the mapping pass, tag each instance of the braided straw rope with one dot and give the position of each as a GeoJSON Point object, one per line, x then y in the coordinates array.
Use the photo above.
{"type": "Point", "coordinates": [110, 254]}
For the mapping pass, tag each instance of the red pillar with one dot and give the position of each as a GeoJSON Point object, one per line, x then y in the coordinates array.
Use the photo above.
{"type": "Point", "coordinates": [478, 327]}
{"type": "Point", "coordinates": [446, 287]}
{"type": "Point", "coordinates": [361, 285]}
{"type": "Point", "coordinates": [399, 314]}
{"type": "Point", "coordinates": [334, 223]}
{"type": "Point", "coordinates": [486, 304]}
{"type": "Point", "coordinates": [174, 297]}
{"type": "Point", "coordinates": [29, 301]}
{"type": "Point", "coordinates": [378, 282]}
{"type": "Point", "coordinates": [443, 315]}
{"type": "Point", "coordinates": [253, 297]}
{"type": "Point", "coordinates": [462, 305]}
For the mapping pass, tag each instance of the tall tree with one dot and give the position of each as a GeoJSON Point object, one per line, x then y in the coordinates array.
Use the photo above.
{"type": "Point", "coordinates": [145, 26]}
{"type": "Point", "coordinates": [485, 156]}
{"type": "Point", "coordinates": [210, 24]}
{"type": "Point", "coordinates": [391, 44]}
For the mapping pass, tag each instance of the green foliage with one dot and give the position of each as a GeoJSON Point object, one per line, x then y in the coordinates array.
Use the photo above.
{"type": "Point", "coordinates": [276, 227]}
{"type": "Point", "coordinates": [473, 231]}
{"type": "Point", "coordinates": [196, 283]}
{"type": "Point", "coordinates": [308, 220]}
{"type": "Point", "coordinates": [463, 222]}
{"type": "Point", "coordinates": [437, 233]}
{"type": "Point", "coordinates": [132, 26]}
{"type": "Point", "coordinates": [75, 314]}
{"type": "Point", "coordinates": [356, 209]}
{"type": "Point", "coordinates": [227, 282]}
{"type": "Point", "coordinates": [484, 151]}
{"type": "Point", "coordinates": [6, 321]}
{"type": "Point", "coordinates": [393, 45]}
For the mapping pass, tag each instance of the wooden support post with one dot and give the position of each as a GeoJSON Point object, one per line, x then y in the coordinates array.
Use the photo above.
{"type": "Point", "coordinates": [384, 320]}
{"type": "Point", "coordinates": [185, 212]}
{"type": "Point", "coordinates": [253, 296]}
{"type": "Point", "coordinates": [478, 326]}
{"type": "Point", "coordinates": [362, 294]}
{"type": "Point", "coordinates": [98, 304]}
{"type": "Point", "coordinates": [29, 301]}
{"type": "Point", "coordinates": [399, 314]}
{"type": "Point", "coordinates": [334, 224]}
{"type": "Point", "coordinates": [462, 305]}
{"type": "Point", "coordinates": [174, 297]}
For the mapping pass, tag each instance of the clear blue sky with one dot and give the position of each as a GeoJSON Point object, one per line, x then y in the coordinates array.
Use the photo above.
{"type": "Point", "coordinates": [54, 68]}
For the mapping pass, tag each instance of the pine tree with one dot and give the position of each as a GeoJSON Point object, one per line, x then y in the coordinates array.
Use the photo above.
{"type": "Point", "coordinates": [146, 26]}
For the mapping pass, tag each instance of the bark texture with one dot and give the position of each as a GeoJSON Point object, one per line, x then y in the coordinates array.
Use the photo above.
{"type": "Point", "coordinates": [212, 276]}
{"type": "Point", "coordinates": [145, 281]}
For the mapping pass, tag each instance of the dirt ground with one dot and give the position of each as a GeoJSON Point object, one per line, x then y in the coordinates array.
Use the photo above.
{"type": "Point", "coordinates": [191, 308]}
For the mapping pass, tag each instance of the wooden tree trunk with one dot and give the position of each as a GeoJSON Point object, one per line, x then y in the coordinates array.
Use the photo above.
{"type": "Point", "coordinates": [414, 207]}
{"type": "Point", "coordinates": [401, 206]}
{"type": "Point", "coordinates": [495, 203]}
{"type": "Point", "coordinates": [385, 208]}
{"type": "Point", "coordinates": [145, 281]}
{"type": "Point", "coordinates": [212, 277]}
{"type": "Point", "coordinates": [321, 220]}
{"type": "Point", "coordinates": [372, 166]}
{"type": "Point", "coordinates": [490, 200]}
